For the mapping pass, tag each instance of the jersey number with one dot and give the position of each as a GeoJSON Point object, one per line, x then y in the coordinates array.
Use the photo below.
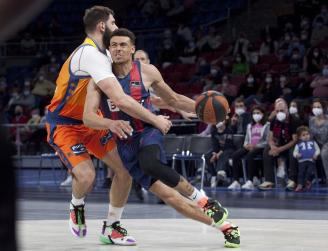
{"type": "Point", "coordinates": [307, 145]}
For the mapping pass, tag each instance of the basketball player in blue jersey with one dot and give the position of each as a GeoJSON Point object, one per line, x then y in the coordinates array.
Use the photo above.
{"type": "Point", "coordinates": [142, 153]}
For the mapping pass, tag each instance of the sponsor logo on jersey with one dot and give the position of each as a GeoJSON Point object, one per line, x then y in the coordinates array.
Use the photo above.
{"type": "Point", "coordinates": [112, 106]}
{"type": "Point", "coordinates": [106, 138]}
{"type": "Point", "coordinates": [78, 149]}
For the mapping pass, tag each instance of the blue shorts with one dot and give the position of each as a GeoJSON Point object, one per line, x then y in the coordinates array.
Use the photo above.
{"type": "Point", "coordinates": [128, 150]}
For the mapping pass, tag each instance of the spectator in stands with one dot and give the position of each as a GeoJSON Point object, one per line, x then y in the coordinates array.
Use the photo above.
{"type": "Point", "coordinates": [268, 89]}
{"type": "Point", "coordinates": [222, 146]}
{"type": "Point", "coordinates": [306, 152]}
{"type": "Point", "coordinates": [284, 45]}
{"type": "Point", "coordinates": [305, 39]}
{"type": "Point", "coordinates": [319, 130]}
{"type": "Point", "coordinates": [214, 40]}
{"type": "Point", "coordinates": [320, 83]}
{"type": "Point", "coordinates": [296, 62]}
{"type": "Point", "coordinates": [319, 32]}
{"type": "Point", "coordinates": [296, 47]}
{"type": "Point", "coordinates": [190, 53]}
{"type": "Point", "coordinates": [255, 141]}
{"type": "Point", "coordinates": [281, 140]}
{"type": "Point", "coordinates": [240, 66]}
{"type": "Point", "coordinates": [252, 54]}
{"type": "Point", "coordinates": [229, 90]}
{"type": "Point", "coordinates": [241, 45]}
{"type": "Point", "coordinates": [200, 39]}
{"type": "Point", "coordinates": [248, 88]}
{"type": "Point", "coordinates": [313, 61]}
{"type": "Point", "coordinates": [296, 111]}
{"type": "Point", "coordinates": [19, 118]}
{"type": "Point", "coordinates": [28, 44]}
{"type": "Point", "coordinates": [168, 54]}
{"type": "Point", "coordinates": [241, 117]}
{"type": "Point", "coordinates": [322, 16]}
{"type": "Point", "coordinates": [268, 47]}
{"type": "Point", "coordinates": [183, 36]}
{"type": "Point", "coordinates": [43, 89]}
{"type": "Point", "coordinates": [51, 70]}
{"type": "Point", "coordinates": [285, 88]}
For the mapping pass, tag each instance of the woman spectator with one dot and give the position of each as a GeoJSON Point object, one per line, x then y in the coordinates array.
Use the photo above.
{"type": "Point", "coordinates": [319, 130]}
{"type": "Point", "coordinates": [255, 141]}
{"type": "Point", "coordinates": [240, 67]}
{"type": "Point", "coordinates": [296, 111]}
{"type": "Point", "coordinates": [313, 61]}
{"type": "Point", "coordinates": [249, 88]}
{"type": "Point", "coordinates": [268, 47]}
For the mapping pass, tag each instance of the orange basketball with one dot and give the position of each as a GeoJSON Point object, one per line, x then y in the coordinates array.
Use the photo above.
{"type": "Point", "coordinates": [212, 107]}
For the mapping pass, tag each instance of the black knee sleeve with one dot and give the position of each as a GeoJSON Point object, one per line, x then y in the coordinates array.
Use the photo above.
{"type": "Point", "coordinates": [149, 162]}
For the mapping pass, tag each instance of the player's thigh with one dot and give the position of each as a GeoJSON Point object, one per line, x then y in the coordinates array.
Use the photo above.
{"type": "Point", "coordinates": [69, 145]}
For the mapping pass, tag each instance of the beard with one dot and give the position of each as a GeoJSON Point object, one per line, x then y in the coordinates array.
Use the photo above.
{"type": "Point", "coordinates": [106, 37]}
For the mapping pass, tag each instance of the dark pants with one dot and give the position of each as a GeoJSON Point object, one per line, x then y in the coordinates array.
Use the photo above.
{"type": "Point", "coordinates": [268, 163]}
{"type": "Point", "coordinates": [220, 164]}
{"type": "Point", "coordinates": [250, 161]}
{"type": "Point", "coordinates": [305, 172]}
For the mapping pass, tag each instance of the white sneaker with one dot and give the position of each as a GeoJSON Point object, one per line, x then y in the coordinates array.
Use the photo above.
{"type": "Point", "coordinates": [221, 175]}
{"type": "Point", "coordinates": [281, 172]}
{"type": "Point", "coordinates": [290, 185]}
{"type": "Point", "coordinates": [256, 181]}
{"type": "Point", "coordinates": [213, 182]}
{"type": "Point", "coordinates": [248, 185]}
{"type": "Point", "coordinates": [234, 186]}
{"type": "Point", "coordinates": [67, 182]}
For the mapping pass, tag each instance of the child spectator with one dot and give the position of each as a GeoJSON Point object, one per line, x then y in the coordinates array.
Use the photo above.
{"type": "Point", "coordinates": [306, 151]}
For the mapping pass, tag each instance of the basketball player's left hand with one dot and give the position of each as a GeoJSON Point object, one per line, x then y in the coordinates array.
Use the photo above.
{"type": "Point", "coordinates": [121, 128]}
{"type": "Point", "coordinates": [163, 123]}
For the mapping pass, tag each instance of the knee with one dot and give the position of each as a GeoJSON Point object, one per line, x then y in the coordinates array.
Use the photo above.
{"type": "Point", "coordinates": [147, 159]}
{"type": "Point", "coordinates": [85, 177]}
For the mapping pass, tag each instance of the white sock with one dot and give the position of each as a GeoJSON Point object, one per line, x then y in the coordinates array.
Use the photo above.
{"type": "Point", "coordinates": [77, 202]}
{"type": "Point", "coordinates": [114, 214]}
{"type": "Point", "coordinates": [198, 197]}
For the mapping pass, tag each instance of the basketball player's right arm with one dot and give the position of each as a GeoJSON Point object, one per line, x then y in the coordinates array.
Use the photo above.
{"type": "Point", "coordinates": [112, 88]}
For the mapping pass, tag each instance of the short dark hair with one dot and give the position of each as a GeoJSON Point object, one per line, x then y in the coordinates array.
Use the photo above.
{"type": "Point", "coordinates": [239, 100]}
{"type": "Point", "coordinates": [122, 32]}
{"type": "Point", "coordinates": [302, 129]}
{"type": "Point", "coordinates": [94, 15]}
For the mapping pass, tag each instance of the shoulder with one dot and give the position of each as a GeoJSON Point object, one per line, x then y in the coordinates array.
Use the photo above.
{"type": "Point", "coordinates": [150, 71]}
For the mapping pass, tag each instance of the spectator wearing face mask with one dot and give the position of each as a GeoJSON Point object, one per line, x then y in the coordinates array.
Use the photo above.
{"type": "Point", "coordinates": [241, 118]}
{"type": "Point", "coordinates": [18, 118]}
{"type": "Point", "coordinates": [255, 141]}
{"type": "Point", "coordinates": [268, 46]}
{"type": "Point", "coordinates": [285, 88]}
{"type": "Point", "coordinates": [281, 140]}
{"type": "Point", "coordinates": [295, 111]}
{"type": "Point", "coordinates": [296, 62]}
{"type": "Point", "coordinates": [320, 83]}
{"type": "Point", "coordinates": [25, 98]}
{"type": "Point", "coordinates": [319, 130]}
{"type": "Point", "coordinates": [248, 88]}
{"type": "Point", "coordinates": [322, 16]}
{"type": "Point", "coordinates": [222, 148]}
{"type": "Point", "coordinates": [313, 62]}
{"type": "Point", "coordinates": [296, 44]}
{"type": "Point", "coordinates": [240, 66]}
{"type": "Point", "coordinates": [319, 31]}
{"type": "Point", "coordinates": [269, 89]}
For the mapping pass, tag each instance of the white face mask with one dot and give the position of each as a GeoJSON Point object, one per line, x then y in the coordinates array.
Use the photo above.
{"type": "Point", "coordinates": [257, 117]}
{"type": "Point", "coordinates": [281, 116]}
{"type": "Point", "coordinates": [250, 80]}
{"type": "Point", "coordinates": [317, 111]}
{"type": "Point", "coordinates": [240, 111]}
{"type": "Point", "coordinates": [293, 110]}
{"type": "Point", "coordinates": [219, 125]}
